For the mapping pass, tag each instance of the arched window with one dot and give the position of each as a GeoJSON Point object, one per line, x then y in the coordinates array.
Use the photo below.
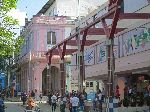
{"type": "Point", "coordinates": [51, 38]}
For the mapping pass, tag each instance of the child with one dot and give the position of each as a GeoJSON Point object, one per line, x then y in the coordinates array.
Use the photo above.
{"type": "Point", "coordinates": [31, 106]}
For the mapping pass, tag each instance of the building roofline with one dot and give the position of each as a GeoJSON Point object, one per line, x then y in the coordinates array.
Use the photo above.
{"type": "Point", "coordinates": [46, 7]}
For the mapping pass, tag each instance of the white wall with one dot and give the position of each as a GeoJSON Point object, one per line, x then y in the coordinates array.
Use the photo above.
{"type": "Point", "coordinates": [52, 9]}
{"type": "Point", "coordinates": [70, 8]}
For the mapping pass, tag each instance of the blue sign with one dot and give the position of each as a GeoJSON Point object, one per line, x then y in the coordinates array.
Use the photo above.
{"type": "Point", "coordinates": [89, 56]}
{"type": "Point", "coordinates": [101, 52]}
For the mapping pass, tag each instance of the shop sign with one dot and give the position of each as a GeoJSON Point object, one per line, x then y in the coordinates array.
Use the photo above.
{"type": "Point", "coordinates": [101, 52]}
{"type": "Point", "coordinates": [89, 57]}
{"type": "Point", "coordinates": [135, 41]}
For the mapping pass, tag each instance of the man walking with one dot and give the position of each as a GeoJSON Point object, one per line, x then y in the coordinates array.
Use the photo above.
{"type": "Point", "coordinates": [75, 102]}
{"type": "Point", "coordinates": [53, 101]}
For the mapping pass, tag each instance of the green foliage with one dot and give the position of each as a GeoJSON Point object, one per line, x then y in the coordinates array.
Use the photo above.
{"type": "Point", "coordinates": [8, 44]}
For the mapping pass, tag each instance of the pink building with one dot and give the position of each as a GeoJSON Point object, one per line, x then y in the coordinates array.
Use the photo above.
{"type": "Point", "coordinates": [40, 34]}
{"type": "Point", "coordinates": [51, 27]}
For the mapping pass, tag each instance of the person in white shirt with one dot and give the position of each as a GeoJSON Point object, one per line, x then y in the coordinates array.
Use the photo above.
{"type": "Point", "coordinates": [75, 102]}
{"type": "Point", "coordinates": [53, 100]}
{"type": "Point", "coordinates": [64, 100]}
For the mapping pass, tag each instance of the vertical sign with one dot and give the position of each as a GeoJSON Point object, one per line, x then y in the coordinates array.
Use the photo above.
{"type": "Point", "coordinates": [101, 52]}
{"type": "Point", "coordinates": [89, 56]}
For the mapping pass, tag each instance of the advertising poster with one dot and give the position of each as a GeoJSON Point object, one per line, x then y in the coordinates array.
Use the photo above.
{"type": "Point", "coordinates": [136, 40]}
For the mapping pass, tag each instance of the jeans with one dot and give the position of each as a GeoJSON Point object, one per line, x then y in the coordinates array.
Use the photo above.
{"type": "Point", "coordinates": [2, 109]}
{"type": "Point", "coordinates": [74, 109]}
{"type": "Point", "coordinates": [53, 107]}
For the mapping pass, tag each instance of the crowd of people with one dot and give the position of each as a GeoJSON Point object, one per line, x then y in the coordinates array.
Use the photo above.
{"type": "Point", "coordinates": [74, 101]}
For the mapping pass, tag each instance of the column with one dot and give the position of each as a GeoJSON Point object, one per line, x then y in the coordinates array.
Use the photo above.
{"type": "Point", "coordinates": [111, 67]}
{"type": "Point", "coordinates": [82, 71]}
{"type": "Point", "coordinates": [63, 77]}
{"type": "Point", "coordinates": [48, 78]}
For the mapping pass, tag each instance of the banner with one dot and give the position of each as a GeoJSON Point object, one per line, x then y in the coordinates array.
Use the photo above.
{"type": "Point", "coordinates": [135, 41]}
{"type": "Point", "coordinates": [101, 52]}
{"type": "Point", "coordinates": [89, 56]}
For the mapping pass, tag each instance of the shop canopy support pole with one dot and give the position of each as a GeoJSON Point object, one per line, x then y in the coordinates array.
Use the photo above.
{"type": "Point", "coordinates": [62, 68]}
{"type": "Point", "coordinates": [82, 65]}
{"type": "Point", "coordinates": [110, 44]}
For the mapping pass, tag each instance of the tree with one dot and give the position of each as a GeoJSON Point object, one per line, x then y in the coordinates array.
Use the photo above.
{"type": "Point", "coordinates": [8, 44]}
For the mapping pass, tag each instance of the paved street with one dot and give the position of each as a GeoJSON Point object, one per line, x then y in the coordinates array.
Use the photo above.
{"type": "Point", "coordinates": [17, 107]}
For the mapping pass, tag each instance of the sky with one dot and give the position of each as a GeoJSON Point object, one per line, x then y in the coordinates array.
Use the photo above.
{"type": "Point", "coordinates": [25, 8]}
{"type": "Point", "coordinates": [28, 8]}
{"type": "Point", "coordinates": [31, 7]}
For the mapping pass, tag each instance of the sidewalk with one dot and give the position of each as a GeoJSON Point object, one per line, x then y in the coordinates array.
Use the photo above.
{"type": "Point", "coordinates": [18, 99]}
{"type": "Point", "coordinates": [13, 99]}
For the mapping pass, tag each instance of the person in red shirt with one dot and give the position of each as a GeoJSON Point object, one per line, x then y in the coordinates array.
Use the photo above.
{"type": "Point", "coordinates": [117, 94]}
{"type": "Point", "coordinates": [126, 89]}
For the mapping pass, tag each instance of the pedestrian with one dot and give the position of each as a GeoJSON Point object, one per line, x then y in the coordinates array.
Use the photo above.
{"type": "Point", "coordinates": [126, 89]}
{"type": "Point", "coordinates": [117, 93]}
{"type": "Point", "coordinates": [75, 103]}
{"type": "Point", "coordinates": [62, 105]}
{"type": "Point", "coordinates": [103, 94]}
{"type": "Point", "coordinates": [29, 93]}
{"type": "Point", "coordinates": [85, 94]}
{"type": "Point", "coordinates": [32, 94]}
{"type": "Point", "coordinates": [36, 95]}
{"type": "Point", "coordinates": [41, 96]}
{"type": "Point", "coordinates": [81, 102]}
{"type": "Point", "coordinates": [99, 96]}
{"type": "Point", "coordinates": [2, 106]}
{"type": "Point", "coordinates": [53, 100]}
{"type": "Point", "coordinates": [70, 105]}
{"type": "Point", "coordinates": [95, 103]}
{"type": "Point", "coordinates": [49, 98]}
{"type": "Point", "coordinates": [64, 99]}
{"type": "Point", "coordinates": [32, 106]}
{"type": "Point", "coordinates": [24, 97]}
{"type": "Point", "coordinates": [130, 92]}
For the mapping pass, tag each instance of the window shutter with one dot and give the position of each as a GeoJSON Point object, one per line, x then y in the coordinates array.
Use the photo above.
{"type": "Point", "coordinates": [48, 37]}
{"type": "Point", "coordinates": [53, 38]}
